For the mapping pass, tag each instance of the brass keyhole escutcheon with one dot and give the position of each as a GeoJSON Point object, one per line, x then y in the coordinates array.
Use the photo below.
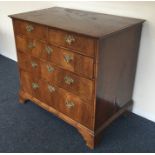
{"type": "Point", "coordinates": [50, 68]}
{"type": "Point", "coordinates": [68, 80]}
{"type": "Point", "coordinates": [49, 50]}
{"type": "Point", "coordinates": [70, 104]}
{"type": "Point", "coordinates": [68, 58]}
{"type": "Point", "coordinates": [51, 88]}
{"type": "Point", "coordinates": [34, 64]}
{"type": "Point", "coordinates": [29, 28]}
{"type": "Point", "coordinates": [35, 85]}
{"type": "Point", "coordinates": [69, 39]}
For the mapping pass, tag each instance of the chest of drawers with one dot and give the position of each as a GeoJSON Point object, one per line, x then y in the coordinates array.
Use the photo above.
{"type": "Point", "coordinates": [77, 65]}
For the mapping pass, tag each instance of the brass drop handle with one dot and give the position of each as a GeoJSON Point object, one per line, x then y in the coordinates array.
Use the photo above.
{"type": "Point", "coordinates": [51, 88]}
{"type": "Point", "coordinates": [50, 68]}
{"type": "Point", "coordinates": [48, 49]}
{"type": "Point", "coordinates": [68, 80]}
{"type": "Point", "coordinates": [69, 39]}
{"type": "Point", "coordinates": [35, 85]}
{"type": "Point", "coordinates": [31, 45]}
{"type": "Point", "coordinates": [29, 28]}
{"type": "Point", "coordinates": [68, 58]}
{"type": "Point", "coordinates": [70, 104]}
{"type": "Point", "coordinates": [34, 64]}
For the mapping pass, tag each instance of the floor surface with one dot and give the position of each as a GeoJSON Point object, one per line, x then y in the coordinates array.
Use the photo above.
{"type": "Point", "coordinates": [28, 128]}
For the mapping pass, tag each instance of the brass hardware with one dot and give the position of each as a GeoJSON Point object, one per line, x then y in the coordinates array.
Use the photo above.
{"type": "Point", "coordinates": [69, 39]}
{"type": "Point", "coordinates": [34, 65]}
{"type": "Point", "coordinates": [29, 28]}
{"type": "Point", "coordinates": [69, 104]}
{"type": "Point", "coordinates": [31, 45]}
{"type": "Point", "coordinates": [68, 58]}
{"type": "Point", "coordinates": [35, 85]}
{"type": "Point", "coordinates": [68, 80]}
{"type": "Point", "coordinates": [51, 88]}
{"type": "Point", "coordinates": [50, 68]}
{"type": "Point", "coordinates": [48, 49]}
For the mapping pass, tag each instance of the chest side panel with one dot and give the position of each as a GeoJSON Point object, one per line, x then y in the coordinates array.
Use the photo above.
{"type": "Point", "coordinates": [116, 72]}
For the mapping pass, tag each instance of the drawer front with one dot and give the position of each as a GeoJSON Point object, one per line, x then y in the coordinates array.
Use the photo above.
{"type": "Point", "coordinates": [81, 44]}
{"type": "Point", "coordinates": [58, 98]}
{"type": "Point", "coordinates": [67, 80]}
{"type": "Point", "coordinates": [29, 63]}
{"type": "Point", "coordinates": [30, 30]}
{"type": "Point", "coordinates": [29, 46]}
{"type": "Point", "coordinates": [50, 94]}
{"type": "Point", "coordinates": [75, 108]}
{"type": "Point", "coordinates": [68, 60]}
{"type": "Point", "coordinates": [30, 84]}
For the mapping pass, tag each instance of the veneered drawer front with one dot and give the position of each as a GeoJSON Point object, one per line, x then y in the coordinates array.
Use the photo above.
{"type": "Point", "coordinates": [29, 46]}
{"type": "Point", "coordinates": [30, 30]}
{"type": "Point", "coordinates": [29, 63]}
{"type": "Point", "coordinates": [68, 60]}
{"type": "Point", "coordinates": [79, 43]}
{"type": "Point", "coordinates": [75, 108]}
{"type": "Point", "coordinates": [30, 84]}
{"type": "Point", "coordinates": [50, 94]}
{"type": "Point", "coordinates": [67, 80]}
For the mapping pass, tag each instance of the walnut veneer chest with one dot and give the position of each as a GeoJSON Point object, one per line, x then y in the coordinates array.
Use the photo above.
{"type": "Point", "coordinates": [77, 65]}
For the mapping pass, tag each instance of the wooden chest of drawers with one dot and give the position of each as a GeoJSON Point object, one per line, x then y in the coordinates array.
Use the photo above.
{"type": "Point", "coordinates": [77, 65]}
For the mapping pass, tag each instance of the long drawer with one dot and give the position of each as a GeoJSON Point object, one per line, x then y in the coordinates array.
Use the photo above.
{"type": "Point", "coordinates": [61, 57]}
{"type": "Point", "coordinates": [65, 79]}
{"type": "Point", "coordinates": [58, 98]}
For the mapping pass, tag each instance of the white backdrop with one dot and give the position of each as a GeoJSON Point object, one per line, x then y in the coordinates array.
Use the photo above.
{"type": "Point", "coordinates": [144, 90]}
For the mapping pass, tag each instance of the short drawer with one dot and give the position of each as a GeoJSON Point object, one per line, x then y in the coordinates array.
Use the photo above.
{"type": "Point", "coordinates": [79, 43]}
{"type": "Point", "coordinates": [29, 63]}
{"type": "Point", "coordinates": [68, 60]}
{"type": "Point", "coordinates": [30, 30]}
{"type": "Point", "coordinates": [30, 84]}
{"type": "Point", "coordinates": [29, 46]}
{"type": "Point", "coordinates": [67, 80]}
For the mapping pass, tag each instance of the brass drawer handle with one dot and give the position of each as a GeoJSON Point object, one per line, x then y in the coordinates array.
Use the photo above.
{"type": "Point", "coordinates": [29, 28]}
{"type": "Point", "coordinates": [48, 49]}
{"type": "Point", "coordinates": [69, 39]}
{"type": "Point", "coordinates": [68, 58]}
{"type": "Point", "coordinates": [31, 45]}
{"type": "Point", "coordinates": [68, 80]}
{"type": "Point", "coordinates": [70, 104]}
{"type": "Point", "coordinates": [34, 65]}
{"type": "Point", "coordinates": [51, 88]}
{"type": "Point", "coordinates": [50, 68]}
{"type": "Point", "coordinates": [35, 85]}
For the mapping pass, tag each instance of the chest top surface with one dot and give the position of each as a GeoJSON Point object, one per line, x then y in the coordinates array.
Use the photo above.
{"type": "Point", "coordinates": [83, 22]}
